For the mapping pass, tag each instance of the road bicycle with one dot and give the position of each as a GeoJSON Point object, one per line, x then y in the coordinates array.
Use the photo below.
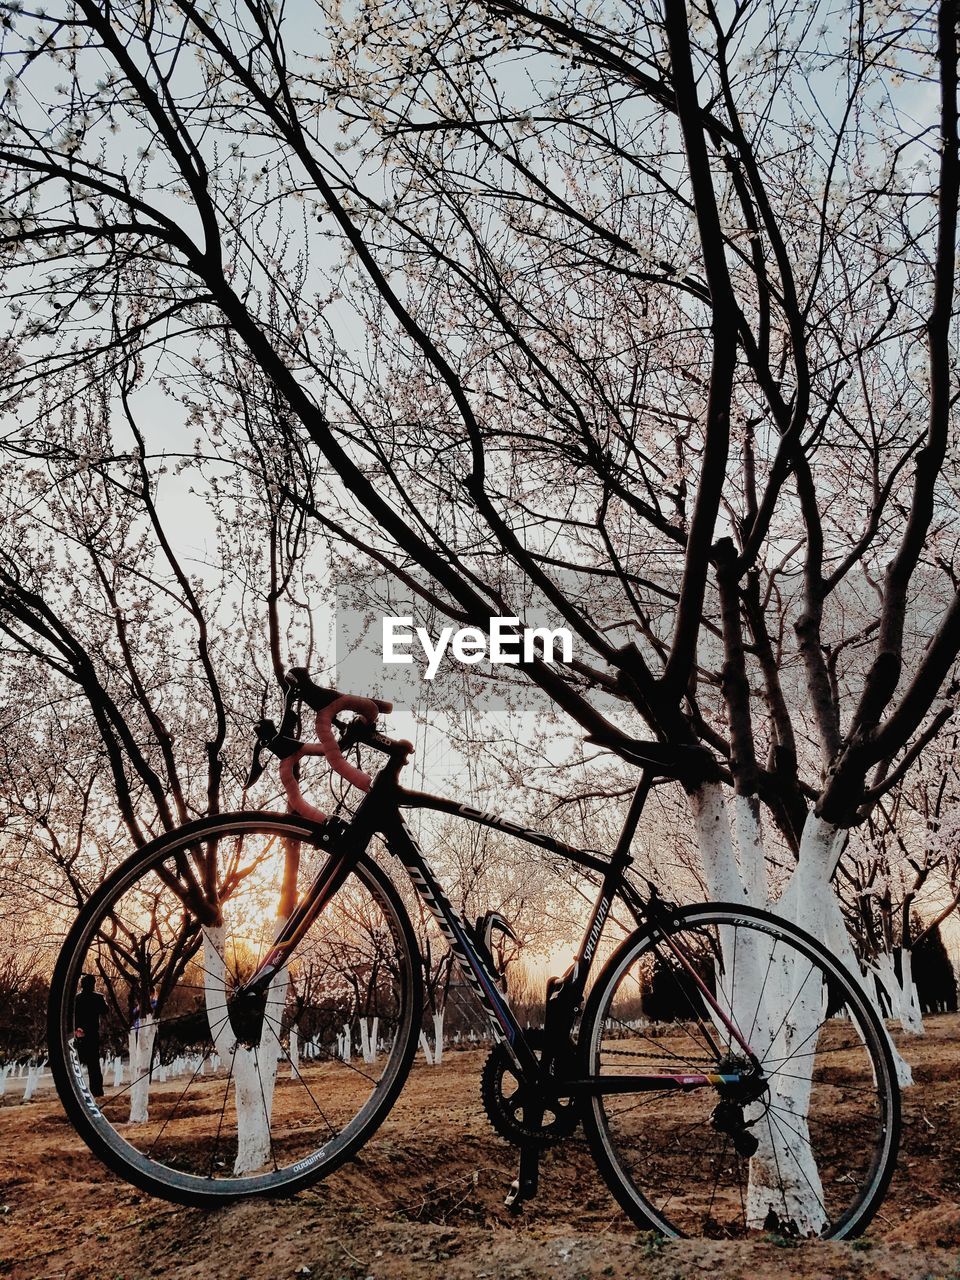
{"type": "Point", "coordinates": [729, 1074]}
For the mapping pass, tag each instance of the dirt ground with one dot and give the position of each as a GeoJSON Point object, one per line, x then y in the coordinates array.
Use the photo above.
{"type": "Point", "coordinates": [425, 1198]}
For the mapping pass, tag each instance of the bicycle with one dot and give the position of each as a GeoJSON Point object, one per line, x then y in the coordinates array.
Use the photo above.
{"type": "Point", "coordinates": [730, 1075]}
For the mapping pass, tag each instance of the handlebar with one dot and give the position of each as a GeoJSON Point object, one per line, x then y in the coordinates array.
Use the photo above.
{"type": "Point", "coordinates": [326, 703]}
{"type": "Point", "coordinates": [318, 698]}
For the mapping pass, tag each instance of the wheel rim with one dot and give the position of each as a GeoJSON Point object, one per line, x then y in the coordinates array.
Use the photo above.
{"type": "Point", "coordinates": [670, 1158]}
{"type": "Point", "coordinates": [234, 1106]}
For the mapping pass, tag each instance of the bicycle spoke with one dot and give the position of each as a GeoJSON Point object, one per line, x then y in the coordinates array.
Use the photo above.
{"type": "Point", "coordinates": [266, 1110]}
{"type": "Point", "coordinates": [776, 1161]}
{"type": "Point", "coordinates": [718, 1165]}
{"type": "Point", "coordinates": [843, 1084]}
{"type": "Point", "coordinates": [310, 1094]}
{"type": "Point", "coordinates": [672, 1154]}
{"type": "Point", "coordinates": [664, 1052]}
{"type": "Point", "coordinates": [798, 1163]}
{"type": "Point", "coordinates": [216, 1141]}
{"type": "Point", "coordinates": [296, 1110]}
{"type": "Point", "coordinates": [679, 1057]}
{"type": "Point", "coordinates": [172, 1112]}
{"type": "Point", "coordinates": [763, 988]}
{"type": "Point", "coordinates": [783, 1021]}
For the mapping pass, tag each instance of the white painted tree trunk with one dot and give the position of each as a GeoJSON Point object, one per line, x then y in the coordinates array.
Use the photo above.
{"type": "Point", "coordinates": [900, 992]}
{"type": "Point", "coordinates": [294, 1053]}
{"type": "Point", "coordinates": [424, 1045]}
{"type": "Point", "coordinates": [141, 1059]}
{"type": "Point", "coordinates": [254, 1066]}
{"type": "Point", "coordinates": [751, 855]}
{"type": "Point", "coordinates": [438, 1038]}
{"type": "Point", "coordinates": [785, 1184]}
{"type": "Point", "coordinates": [810, 902]}
{"type": "Point", "coordinates": [911, 1016]}
{"type": "Point", "coordinates": [254, 1075]}
{"type": "Point", "coordinates": [725, 883]}
{"type": "Point", "coordinates": [33, 1079]}
{"type": "Point", "coordinates": [117, 1071]}
{"type": "Point", "coordinates": [369, 1028]}
{"type": "Point", "coordinates": [784, 1180]}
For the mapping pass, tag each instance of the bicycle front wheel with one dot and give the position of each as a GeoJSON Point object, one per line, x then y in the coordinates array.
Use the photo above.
{"type": "Point", "coordinates": [697, 1135]}
{"type": "Point", "coordinates": [199, 1100]}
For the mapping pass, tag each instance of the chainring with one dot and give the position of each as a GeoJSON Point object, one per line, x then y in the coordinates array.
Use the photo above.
{"type": "Point", "coordinates": [511, 1105]}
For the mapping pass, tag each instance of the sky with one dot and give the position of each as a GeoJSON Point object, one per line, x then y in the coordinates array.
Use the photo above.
{"type": "Point", "coordinates": [189, 516]}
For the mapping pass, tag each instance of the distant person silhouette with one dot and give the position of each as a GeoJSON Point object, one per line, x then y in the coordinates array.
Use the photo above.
{"type": "Point", "coordinates": [89, 1008]}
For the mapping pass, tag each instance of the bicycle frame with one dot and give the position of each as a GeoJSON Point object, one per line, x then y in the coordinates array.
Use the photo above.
{"type": "Point", "coordinates": [379, 812]}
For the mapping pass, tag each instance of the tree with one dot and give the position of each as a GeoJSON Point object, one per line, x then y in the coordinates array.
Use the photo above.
{"type": "Point", "coordinates": [934, 975]}
{"type": "Point", "coordinates": [23, 1004]}
{"type": "Point", "coordinates": [123, 670]}
{"type": "Point", "coordinates": [654, 314]}
{"type": "Point", "coordinates": [906, 855]}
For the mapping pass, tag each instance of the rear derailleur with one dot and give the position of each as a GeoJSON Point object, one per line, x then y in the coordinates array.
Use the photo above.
{"type": "Point", "coordinates": [749, 1090]}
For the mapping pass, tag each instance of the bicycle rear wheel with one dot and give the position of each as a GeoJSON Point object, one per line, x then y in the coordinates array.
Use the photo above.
{"type": "Point", "coordinates": [210, 1103]}
{"type": "Point", "coordinates": [801, 1142]}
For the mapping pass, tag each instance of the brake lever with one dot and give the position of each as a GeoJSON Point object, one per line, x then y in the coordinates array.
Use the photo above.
{"type": "Point", "coordinates": [285, 741]}
{"type": "Point", "coordinates": [257, 767]}
{"type": "Point", "coordinates": [279, 742]}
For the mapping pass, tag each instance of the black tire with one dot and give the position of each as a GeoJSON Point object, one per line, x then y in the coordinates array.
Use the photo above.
{"type": "Point", "coordinates": [678, 1159]}
{"type": "Point", "coordinates": [359, 959]}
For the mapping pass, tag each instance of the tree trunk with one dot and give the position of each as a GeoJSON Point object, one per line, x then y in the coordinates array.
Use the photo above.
{"type": "Point", "coordinates": [911, 1016]}
{"type": "Point", "coordinates": [141, 1063]}
{"type": "Point", "coordinates": [901, 992]}
{"type": "Point", "coordinates": [810, 902]}
{"type": "Point", "coordinates": [254, 1067]}
{"type": "Point", "coordinates": [724, 880]}
{"type": "Point", "coordinates": [425, 1046]}
{"type": "Point", "coordinates": [33, 1076]}
{"type": "Point", "coordinates": [438, 1038]}
{"type": "Point", "coordinates": [369, 1029]}
{"type": "Point", "coordinates": [785, 1189]}
{"type": "Point", "coordinates": [294, 1053]}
